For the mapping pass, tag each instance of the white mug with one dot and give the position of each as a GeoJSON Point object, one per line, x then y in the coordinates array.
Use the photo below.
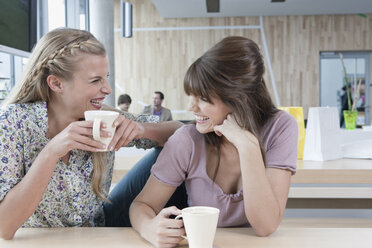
{"type": "Point", "coordinates": [98, 116]}
{"type": "Point", "coordinates": [200, 225]}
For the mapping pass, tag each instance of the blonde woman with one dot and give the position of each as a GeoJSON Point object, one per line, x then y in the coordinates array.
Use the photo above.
{"type": "Point", "coordinates": [50, 173]}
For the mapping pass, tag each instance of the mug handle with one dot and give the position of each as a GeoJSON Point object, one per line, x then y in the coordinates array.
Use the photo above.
{"type": "Point", "coordinates": [177, 218]}
{"type": "Point", "coordinates": [96, 129]}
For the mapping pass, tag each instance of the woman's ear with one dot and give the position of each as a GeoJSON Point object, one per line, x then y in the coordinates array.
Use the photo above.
{"type": "Point", "coordinates": [54, 83]}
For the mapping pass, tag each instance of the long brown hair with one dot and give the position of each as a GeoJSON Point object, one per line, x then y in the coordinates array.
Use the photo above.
{"type": "Point", "coordinates": [57, 53]}
{"type": "Point", "coordinates": [232, 71]}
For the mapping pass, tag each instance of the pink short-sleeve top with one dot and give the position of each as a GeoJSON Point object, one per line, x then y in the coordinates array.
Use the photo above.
{"type": "Point", "coordinates": [183, 159]}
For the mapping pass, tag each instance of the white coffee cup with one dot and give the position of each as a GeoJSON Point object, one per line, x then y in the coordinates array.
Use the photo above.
{"type": "Point", "coordinates": [200, 225]}
{"type": "Point", "coordinates": [107, 117]}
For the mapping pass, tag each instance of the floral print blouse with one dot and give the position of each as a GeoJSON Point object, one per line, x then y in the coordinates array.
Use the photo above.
{"type": "Point", "coordinates": [68, 199]}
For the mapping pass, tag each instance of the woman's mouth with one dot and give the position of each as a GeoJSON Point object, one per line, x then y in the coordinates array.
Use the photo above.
{"type": "Point", "coordinates": [97, 103]}
{"type": "Point", "coordinates": [201, 119]}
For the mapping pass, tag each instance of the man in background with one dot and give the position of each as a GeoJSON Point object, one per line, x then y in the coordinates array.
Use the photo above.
{"type": "Point", "coordinates": [156, 108]}
{"type": "Point", "coordinates": [124, 102]}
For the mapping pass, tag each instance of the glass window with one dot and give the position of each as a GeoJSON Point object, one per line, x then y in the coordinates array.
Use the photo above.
{"type": "Point", "coordinates": [332, 83]}
{"type": "Point", "coordinates": [5, 75]}
{"type": "Point", "coordinates": [19, 65]}
{"type": "Point", "coordinates": [56, 14]}
{"type": "Point", "coordinates": [83, 14]}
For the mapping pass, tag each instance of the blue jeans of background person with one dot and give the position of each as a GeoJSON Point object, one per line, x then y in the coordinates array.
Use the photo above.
{"type": "Point", "coordinates": [117, 212]}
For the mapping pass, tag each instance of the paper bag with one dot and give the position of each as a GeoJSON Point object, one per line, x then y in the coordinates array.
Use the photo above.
{"type": "Point", "coordinates": [323, 134]}
{"type": "Point", "coordinates": [298, 113]}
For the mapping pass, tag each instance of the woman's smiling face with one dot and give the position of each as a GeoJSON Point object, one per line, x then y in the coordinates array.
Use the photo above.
{"type": "Point", "coordinates": [207, 115]}
{"type": "Point", "coordinates": [89, 86]}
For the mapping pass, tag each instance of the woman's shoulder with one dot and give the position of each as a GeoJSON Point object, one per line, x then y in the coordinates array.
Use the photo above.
{"type": "Point", "coordinates": [10, 112]}
{"type": "Point", "coordinates": [32, 108]}
{"type": "Point", "coordinates": [186, 135]}
{"type": "Point", "coordinates": [280, 127]}
{"type": "Point", "coordinates": [23, 112]}
{"type": "Point", "coordinates": [280, 120]}
{"type": "Point", "coordinates": [188, 130]}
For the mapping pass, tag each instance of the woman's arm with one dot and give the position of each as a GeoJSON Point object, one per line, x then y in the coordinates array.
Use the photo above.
{"type": "Point", "coordinates": [148, 218]}
{"type": "Point", "coordinates": [130, 126]}
{"type": "Point", "coordinates": [21, 201]}
{"type": "Point", "coordinates": [160, 132]}
{"type": "Point", "coordinates": [127, 130]}
{"type": "Point", "coordinates": [265, 190]}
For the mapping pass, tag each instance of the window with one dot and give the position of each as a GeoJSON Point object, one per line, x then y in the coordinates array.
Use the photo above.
{"type": "Point", "coordinates": [5, 75]}
{"type": "Point", "coordinates": [51, 14]}
{"type": "Point", "coordinates": [83, 14]}
{"type": "Point", "coordinates": [56, 14]}
{"type": "Point", "coordinates": [332, 82]}
{"type": "Point", "coordinates": [11, 68]}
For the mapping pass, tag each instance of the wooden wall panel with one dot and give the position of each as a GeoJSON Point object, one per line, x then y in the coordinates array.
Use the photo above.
{"type": "Point", "coordinates": [295, 43]}
{"type": "Point", "coordinates": [158, 60]}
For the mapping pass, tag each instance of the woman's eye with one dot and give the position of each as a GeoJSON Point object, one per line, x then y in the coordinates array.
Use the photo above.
{"type": "Point", "coordinates": [96, 81]}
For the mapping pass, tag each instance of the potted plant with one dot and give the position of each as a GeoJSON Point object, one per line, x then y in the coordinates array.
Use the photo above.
{"type": "Point", "coordinates": [350, 115]}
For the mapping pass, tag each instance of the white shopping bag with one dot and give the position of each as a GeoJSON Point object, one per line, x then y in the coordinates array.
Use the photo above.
{"type": "Point", "coordinates": [323, 134]}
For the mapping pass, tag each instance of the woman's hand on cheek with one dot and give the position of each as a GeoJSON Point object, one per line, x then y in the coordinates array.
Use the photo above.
{"type": "Point", "coordinates": [229, 128]}
{"type": "Point", "coordinates": [126, 131]}
{"type": "Point", "coordinates": [233, 132]}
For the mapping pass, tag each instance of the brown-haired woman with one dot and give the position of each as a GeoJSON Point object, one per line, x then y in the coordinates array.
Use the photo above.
{"type": "Point", "coordinates": [50, 172]}
{"type": "Point", "coordinates": [238, 157]}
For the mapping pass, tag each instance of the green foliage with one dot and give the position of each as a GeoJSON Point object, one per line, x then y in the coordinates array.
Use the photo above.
{"type": "Point", "coordinates": [5, 89]}
{"type": "Point", "coordinates": [348, 92]}
{"type": "Point", "coordinates": [364, 16]}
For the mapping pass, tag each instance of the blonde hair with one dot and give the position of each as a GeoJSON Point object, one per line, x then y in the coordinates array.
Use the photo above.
{"type": "Point", "coordinates": [57, 54]}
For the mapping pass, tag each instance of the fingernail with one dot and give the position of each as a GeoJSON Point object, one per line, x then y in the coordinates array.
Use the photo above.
{"type": "Point", "coordinates": [103, 146]}
{"type": "Point", "coordinates": [116, 123]}
{"type": "Point", "coordinates": [109, 134]}
{"type": "Point", "coordinates": [104, 125]}
{"type": "Point", "coordinates": [111, 148]}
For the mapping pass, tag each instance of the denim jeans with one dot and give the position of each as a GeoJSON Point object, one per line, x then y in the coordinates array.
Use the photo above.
{"type": "Point", "coordinates": [117, 212]}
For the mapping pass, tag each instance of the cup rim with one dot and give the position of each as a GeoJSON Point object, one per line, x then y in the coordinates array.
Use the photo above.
{"type": "Point", "coordinates": [212, 210]}
{"type": "Point", "coordinates": [102, 112]}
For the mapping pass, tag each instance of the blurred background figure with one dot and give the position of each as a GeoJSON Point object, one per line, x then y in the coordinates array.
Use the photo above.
{"type": "Point", "coordinates": [156, 108]}
{"type": "Point", "coordinates": [124, 102]}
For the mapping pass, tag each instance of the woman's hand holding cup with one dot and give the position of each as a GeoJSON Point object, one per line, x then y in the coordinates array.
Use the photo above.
{"type": "Point", "coordinates": [103, 121]}
{"type": "Point", "coordinates": [126, 131]}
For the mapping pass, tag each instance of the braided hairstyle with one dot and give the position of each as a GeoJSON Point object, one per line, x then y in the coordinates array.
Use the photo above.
{"type": "Point", "coordinates": [57, 53]}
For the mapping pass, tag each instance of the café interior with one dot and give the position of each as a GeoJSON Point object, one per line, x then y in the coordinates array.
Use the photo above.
{"type": "Point", "coordinates": [151, 43]}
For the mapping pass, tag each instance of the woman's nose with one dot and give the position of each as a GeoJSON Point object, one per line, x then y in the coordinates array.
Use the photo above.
{"type": "Point", "coordinates": [106, 87]}
{"type": "Point", "coordinates": [192, 103]}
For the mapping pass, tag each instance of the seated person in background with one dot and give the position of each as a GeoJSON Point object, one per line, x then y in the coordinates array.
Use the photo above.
{"type": "Point", "coordinates": [124, 102]}
{"type": "Point", "coordinates": [238, 157]}
{"type": "Point", "coordinates": [156, 109]}
{"type": "Point", "coordinates": [344, 105]}
{"type": "Point", "coordinates": [51, 174]}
